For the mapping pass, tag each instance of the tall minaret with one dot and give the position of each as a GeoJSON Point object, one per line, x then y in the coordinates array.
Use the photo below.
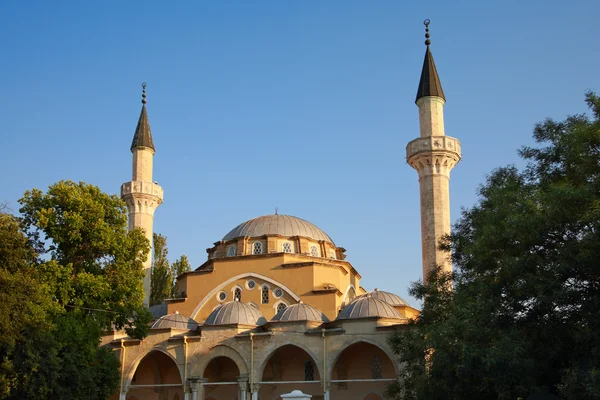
{"type": "Point", "coordinates": [433, 155]}
{"type": "Point", "coordinates": [141, 194]}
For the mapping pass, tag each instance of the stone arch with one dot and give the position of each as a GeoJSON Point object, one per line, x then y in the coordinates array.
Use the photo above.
{"type": "Point", "coordinates": [241, 276]}
{"type": "Point", "coordinates": [263, 361]}
{"type": "Point", "coordinates": [220, 350]}
{"type": "Point", "coordinates": [384, 349]}
{"type": "Point", "coordinates": [345, 299]}
{"type": "Point", "coordinates": [134, 366]}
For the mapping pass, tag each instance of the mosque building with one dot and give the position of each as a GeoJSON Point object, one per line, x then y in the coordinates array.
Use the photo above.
{"type": "Point", "coordinates": [276, 307]}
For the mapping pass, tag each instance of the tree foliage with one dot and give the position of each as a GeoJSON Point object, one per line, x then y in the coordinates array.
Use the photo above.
{"type": "Point", "coordinates": [524, 314]}
{"type": "Point", "coordinates": [162, 278]}
{"type": "Point", "coordinates": [164, 275]}
{"type": "Point", "coordinates": [178, 268]}
{"type": "Point", "coordinates": [69, 269]}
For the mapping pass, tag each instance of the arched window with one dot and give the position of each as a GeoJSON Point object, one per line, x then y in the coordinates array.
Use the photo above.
{"type": "Point", "coordinates": [332, 254]}
{"type": "Point", "coordinates": [281, 307]}
{"type": "Point", "coordinates": [309, 371]}
{"type": "Point", "coordinates": [286, 247]}
{"type": "Point", "coordinates": [264, 298]}
{"type": "Point", "coordinates": [237, 294]}
{"type": "Point", "coordinates": [376, 368]}
{"type": "Point", "coordinates": [257, 248]}
{"type": "Point", "coordinates": [314, 251]}
{"type": "Point", "coordinates": [231, 250]}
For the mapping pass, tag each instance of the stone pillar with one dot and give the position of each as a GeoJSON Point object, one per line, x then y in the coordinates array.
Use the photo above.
{"type": "Point", "coordinates": [194, 387]}
{"type": "Point", "coordinates": [123, 396]}
{"type": "Point", "coordinates": [433, 156]}
{"type": "Point", "coordinates": [326, 391]}
{"type": "Point", "coordinates": [255, 389]}
{"type": "Point", "coordinates": [243, 383]}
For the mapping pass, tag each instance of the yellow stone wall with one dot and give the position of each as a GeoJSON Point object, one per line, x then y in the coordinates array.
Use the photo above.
{"type": "Point", "coordinates": [317, 281]}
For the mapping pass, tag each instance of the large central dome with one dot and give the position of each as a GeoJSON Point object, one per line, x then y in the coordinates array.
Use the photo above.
{"type": "Point", "coordinates": [284, 225]}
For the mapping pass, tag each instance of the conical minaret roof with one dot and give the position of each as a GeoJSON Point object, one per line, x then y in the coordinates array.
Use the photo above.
{"type": "Point", "coordinates": [143, 135]}
{"type": "Point", "coordinates": [430, 84]}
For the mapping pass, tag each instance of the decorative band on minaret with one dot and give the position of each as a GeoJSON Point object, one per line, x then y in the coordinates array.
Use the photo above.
{"type": "Point", "coordinates": [433, 155]}
{"type": "Point", "coordinates": [141, 194]}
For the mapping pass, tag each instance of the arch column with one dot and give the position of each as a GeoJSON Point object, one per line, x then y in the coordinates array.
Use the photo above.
{"type": "Point", "coordinates": [195, 387]}
{"type": "Point", "coordinates": [326, 391]}
{"type": "Point", "coordinates": [255, 388]}
{"type": "Point", "coordinates": [243, 383]}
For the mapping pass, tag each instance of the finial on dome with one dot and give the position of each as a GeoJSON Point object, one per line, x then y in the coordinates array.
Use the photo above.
{"type": "Point", "coordinates": [300, 302]}
{"type": "Point", "coordinates": [276, 210]}
{"type": "Point", "coordinates": [427, 36]}
{"type": "Point", "coordinates": [375, 289]}
{"type": "Point", "coordinates": [144, 93]}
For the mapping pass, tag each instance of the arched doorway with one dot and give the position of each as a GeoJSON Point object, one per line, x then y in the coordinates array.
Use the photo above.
{"type": "Point", "coordinates": [290, 368]}
{"type": "Point", "coordinates": [156, 377]}
{"type": "Point", "coordinates": [222, 374]}
{"type": "Point", "coordinates": [362, 371]}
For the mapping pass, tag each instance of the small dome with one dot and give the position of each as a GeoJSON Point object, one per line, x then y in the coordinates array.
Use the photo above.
{"type": "Point", "coordinates": [158, 310]}
{"type": "Point", "coordinates": [284, 225]}
{"type": "Point", "coordinates": [174, 321]}
{"type": "Point", "coordinates": [367, 306]}
{"type": "Point", "coordinates": [387, 297]}
{"type": "Point", "coordinates": [235, 312]}
{"type": "Point", "coordinates": [300, 312]}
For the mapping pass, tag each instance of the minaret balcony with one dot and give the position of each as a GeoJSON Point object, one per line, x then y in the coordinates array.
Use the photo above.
{"type": "Point", "coordinates": [433, 144]}
{"type": "Point", "coordinates": [144, 189]}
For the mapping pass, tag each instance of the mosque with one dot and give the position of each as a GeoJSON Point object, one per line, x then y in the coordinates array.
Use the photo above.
{"type": "Point", "coordinates": [276, 307]}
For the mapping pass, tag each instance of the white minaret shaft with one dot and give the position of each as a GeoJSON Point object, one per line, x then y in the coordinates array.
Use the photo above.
{"type": "Point", "coordinates": [141, 195]}
{"type": "Point", "coordinates": [433, 155]}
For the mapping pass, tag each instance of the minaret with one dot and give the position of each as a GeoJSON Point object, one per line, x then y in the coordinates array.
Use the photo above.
{"type": "Point", "coordinates": [433, 155]}
{"type": "Point", "coordinates": [141, 194]}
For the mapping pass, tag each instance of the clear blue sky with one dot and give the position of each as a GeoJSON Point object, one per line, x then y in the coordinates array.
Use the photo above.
{"type": "Point", "coordinates": [302, 105]}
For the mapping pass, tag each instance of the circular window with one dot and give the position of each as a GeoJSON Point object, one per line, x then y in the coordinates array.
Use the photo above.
{"type": "Point", "coordinates": [278, 292]}
{"type": "Point", "coordinates": [250, 284]}
{"type": "Point", "coordinates": [221, 296]}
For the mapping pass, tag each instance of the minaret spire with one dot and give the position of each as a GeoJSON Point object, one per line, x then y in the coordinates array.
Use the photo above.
{"type": "Point", "coordinates": [141, 194]}
{"type": "Point", "coordinates": [143, 134]}
{"type": "Point", "coordinates": [429, 84]}
{"type": "Point", "coordinates": [433, 155]}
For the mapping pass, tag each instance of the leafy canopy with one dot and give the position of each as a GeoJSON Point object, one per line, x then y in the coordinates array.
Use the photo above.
{"type": "Point", "coordinates": [69, 269]}
{"type": "Point", "coordinates": [524, 315]}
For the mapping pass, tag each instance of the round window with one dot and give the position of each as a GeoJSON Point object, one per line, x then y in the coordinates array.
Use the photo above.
{"type": "Point", "coordinates": [278, 292]}
{"type": "Point", "coordinates": [251, 284]}
{"type": "Point", "coordinates": [221, 296]}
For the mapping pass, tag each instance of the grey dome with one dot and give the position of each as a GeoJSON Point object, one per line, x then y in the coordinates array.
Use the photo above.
{"type": "Point", "coordinates": [174, 321]}
{"type": "Point", "coordinates": [284, 225]}
{"type": "Point", "coordinates": [235, 312]}
{"type": "Point", "coordinates": [300, 312]}
{"type": "Point", "coordinates": [158, 310]}
{"type": "Point", "coordinates": [367, 306]}
{"type": "Point", "coordinates": [387, 297]}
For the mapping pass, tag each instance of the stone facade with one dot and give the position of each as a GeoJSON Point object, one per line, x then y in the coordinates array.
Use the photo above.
{"type": "Point", "coordinates": [276, 307]}
{"type": "Point", "coordinates": [142, 197]}
{"type": "Point", "coordinates": [433, 155]}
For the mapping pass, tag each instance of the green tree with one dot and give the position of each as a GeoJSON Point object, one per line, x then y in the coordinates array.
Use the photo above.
{"type": "Point", "coordinates": [179, 267]}
{"type": "Point", "coordinates": [95, 262]}
{"type": "Point", "coordinates": [162, 277]}
{"type": "Point", "coordinates": [69, 269]}
{"type": "Point", "coordinates": [524, 314]}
